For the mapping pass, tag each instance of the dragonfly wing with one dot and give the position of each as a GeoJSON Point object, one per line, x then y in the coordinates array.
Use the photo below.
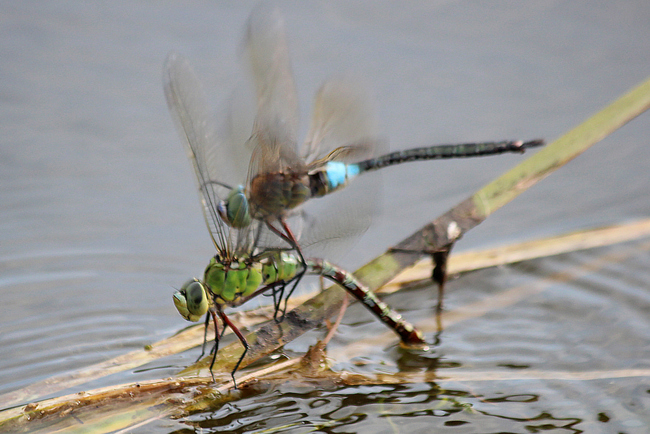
{"type": "Point", "coordinates": [276, 122]}
{"type": "Point", "coordinates": [197, 129]}
{"type": "Point", "coordinates": [343, 128]}
{"type": "Point", "coordinates": [341, 123]}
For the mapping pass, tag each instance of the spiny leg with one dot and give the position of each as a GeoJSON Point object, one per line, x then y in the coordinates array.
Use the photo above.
{"type": "Point", "coordinates": [294, 284]}
{"type": "Point", "coordinates": [278, 294]}
{"type": "Point", "coordinates": [290, 238]}
{"type": "Point", "coordinates": [216, 341]}
{"type": "Point", "coordinates": [298, 277]}
{"type": "Point", "coordinates": [223, 332]}
{"type": "Point", "coordinates": [287, 235]}
{"type": "Point", "coordinates": [242, 339]}
{"type": "Point", "coordinates": [205, 336]}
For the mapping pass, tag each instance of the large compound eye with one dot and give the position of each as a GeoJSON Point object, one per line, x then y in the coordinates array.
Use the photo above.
{"type": "Point", "coordinates": [222, 209]}
{"type": "Point", "coordinates": [191, 300]}
{"type": "Point", "coordinates": [235, 209]}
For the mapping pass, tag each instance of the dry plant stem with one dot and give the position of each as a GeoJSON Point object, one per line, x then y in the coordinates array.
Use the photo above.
{"type": "Point", "coordinates": [337, 322]}
{"type": "Point", "coordinates": [478, 259]}
{"type": "Point", "coordinates": [439, 274]}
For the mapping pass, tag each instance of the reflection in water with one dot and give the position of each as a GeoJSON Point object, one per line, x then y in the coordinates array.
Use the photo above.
{"type": "Point", "coordinates": [373, 409]}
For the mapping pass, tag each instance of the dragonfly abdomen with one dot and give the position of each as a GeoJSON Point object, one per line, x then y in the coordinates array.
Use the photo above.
{"type": "Point", "coordinates": [447, 151]}
{"type": "Point", "coordinates": [331, 177]}
{"type": "Point", "coordinates": [407, 332]}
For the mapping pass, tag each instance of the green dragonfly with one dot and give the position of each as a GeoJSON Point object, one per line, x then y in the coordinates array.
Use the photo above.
{"type": "Point", "coordinates": [233, 283]}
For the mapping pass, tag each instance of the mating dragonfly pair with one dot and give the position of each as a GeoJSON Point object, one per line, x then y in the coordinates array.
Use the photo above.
{"type": "Point", "coordinates": [254, 226]}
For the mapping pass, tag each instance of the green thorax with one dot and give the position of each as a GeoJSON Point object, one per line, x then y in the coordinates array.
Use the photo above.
{"type": "Point", "coordinates": [232, 281]}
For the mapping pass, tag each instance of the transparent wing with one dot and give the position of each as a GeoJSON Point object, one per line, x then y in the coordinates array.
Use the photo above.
{"type": "Point", "coordinates": [342, 120]}
{"type": "Point", "coordinates": [198, 132]}
{"type": "Point", "coordinates": [276, 123]}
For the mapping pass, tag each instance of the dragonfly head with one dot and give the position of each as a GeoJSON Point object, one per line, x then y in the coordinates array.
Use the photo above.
{"type": "Point", "coordinates": [235, 210]}
{"type": "Point", "coordinates": [191, 300]}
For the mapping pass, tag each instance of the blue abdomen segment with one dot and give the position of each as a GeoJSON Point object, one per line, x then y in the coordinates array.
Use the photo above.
{"type": "Point", "coordinates": [339, 174]}
{"type": "Point", "coordinates": [331, 177]}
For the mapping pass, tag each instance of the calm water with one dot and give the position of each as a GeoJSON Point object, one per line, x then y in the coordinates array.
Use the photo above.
{"type": "Point", "coordinates": [100, 220]}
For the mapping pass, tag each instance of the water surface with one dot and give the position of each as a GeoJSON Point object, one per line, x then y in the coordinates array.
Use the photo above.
{"type": "Point", "coordinates": [100, 220]}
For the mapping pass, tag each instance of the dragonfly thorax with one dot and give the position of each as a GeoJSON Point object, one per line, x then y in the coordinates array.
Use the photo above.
{"type": "Point", "coordinates": [280, 267]}
{"type": "Point", "coordinates": [233, 281]}
{"type": "Point", "coordinates": [230, 281]}
{"type": "Point", "coordinates": [274, 193]}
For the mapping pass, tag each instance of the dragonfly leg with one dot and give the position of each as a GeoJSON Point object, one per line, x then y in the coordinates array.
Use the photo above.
{"type": "Point", "coordinates": [294, 284]}
{"type": "Point", "coordinates": [287, 235]}
{"type": "Point", "coordinates": [242, 339]}
{"type": "Point", "coordinates": [292, 240]}
{"type": "Point", "coordinates": [216, 341]}
{"type": "Point", "coordinates": [277, 300]}
{"type": "Point", "coordinates": [217, 337]}
{"type": "Point", "coordinates": [298, 277]}
{"type": "Point", "coordinates": [205, 335]}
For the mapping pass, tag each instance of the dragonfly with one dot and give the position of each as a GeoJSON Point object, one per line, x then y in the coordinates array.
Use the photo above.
{"type": "Point", "coordinates": [232, 284]}
{"type": "Point", "coordinates": [281, 177]}
{"type": "Point", "coordinates": [248, 261]}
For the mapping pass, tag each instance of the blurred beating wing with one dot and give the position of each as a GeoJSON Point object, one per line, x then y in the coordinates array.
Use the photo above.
{"type": "Point", "coordinates": [196, 127]}
{"type": "Point", "coordinates": [276, 123]}
{"type": "Point", "coordinates": [343, 128]}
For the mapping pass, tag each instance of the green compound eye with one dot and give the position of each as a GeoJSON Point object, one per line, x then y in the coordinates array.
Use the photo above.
{"type": "Point", "coordinates": [235, 209]}
{"type": "Point", "coordinates": [191, 300]}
